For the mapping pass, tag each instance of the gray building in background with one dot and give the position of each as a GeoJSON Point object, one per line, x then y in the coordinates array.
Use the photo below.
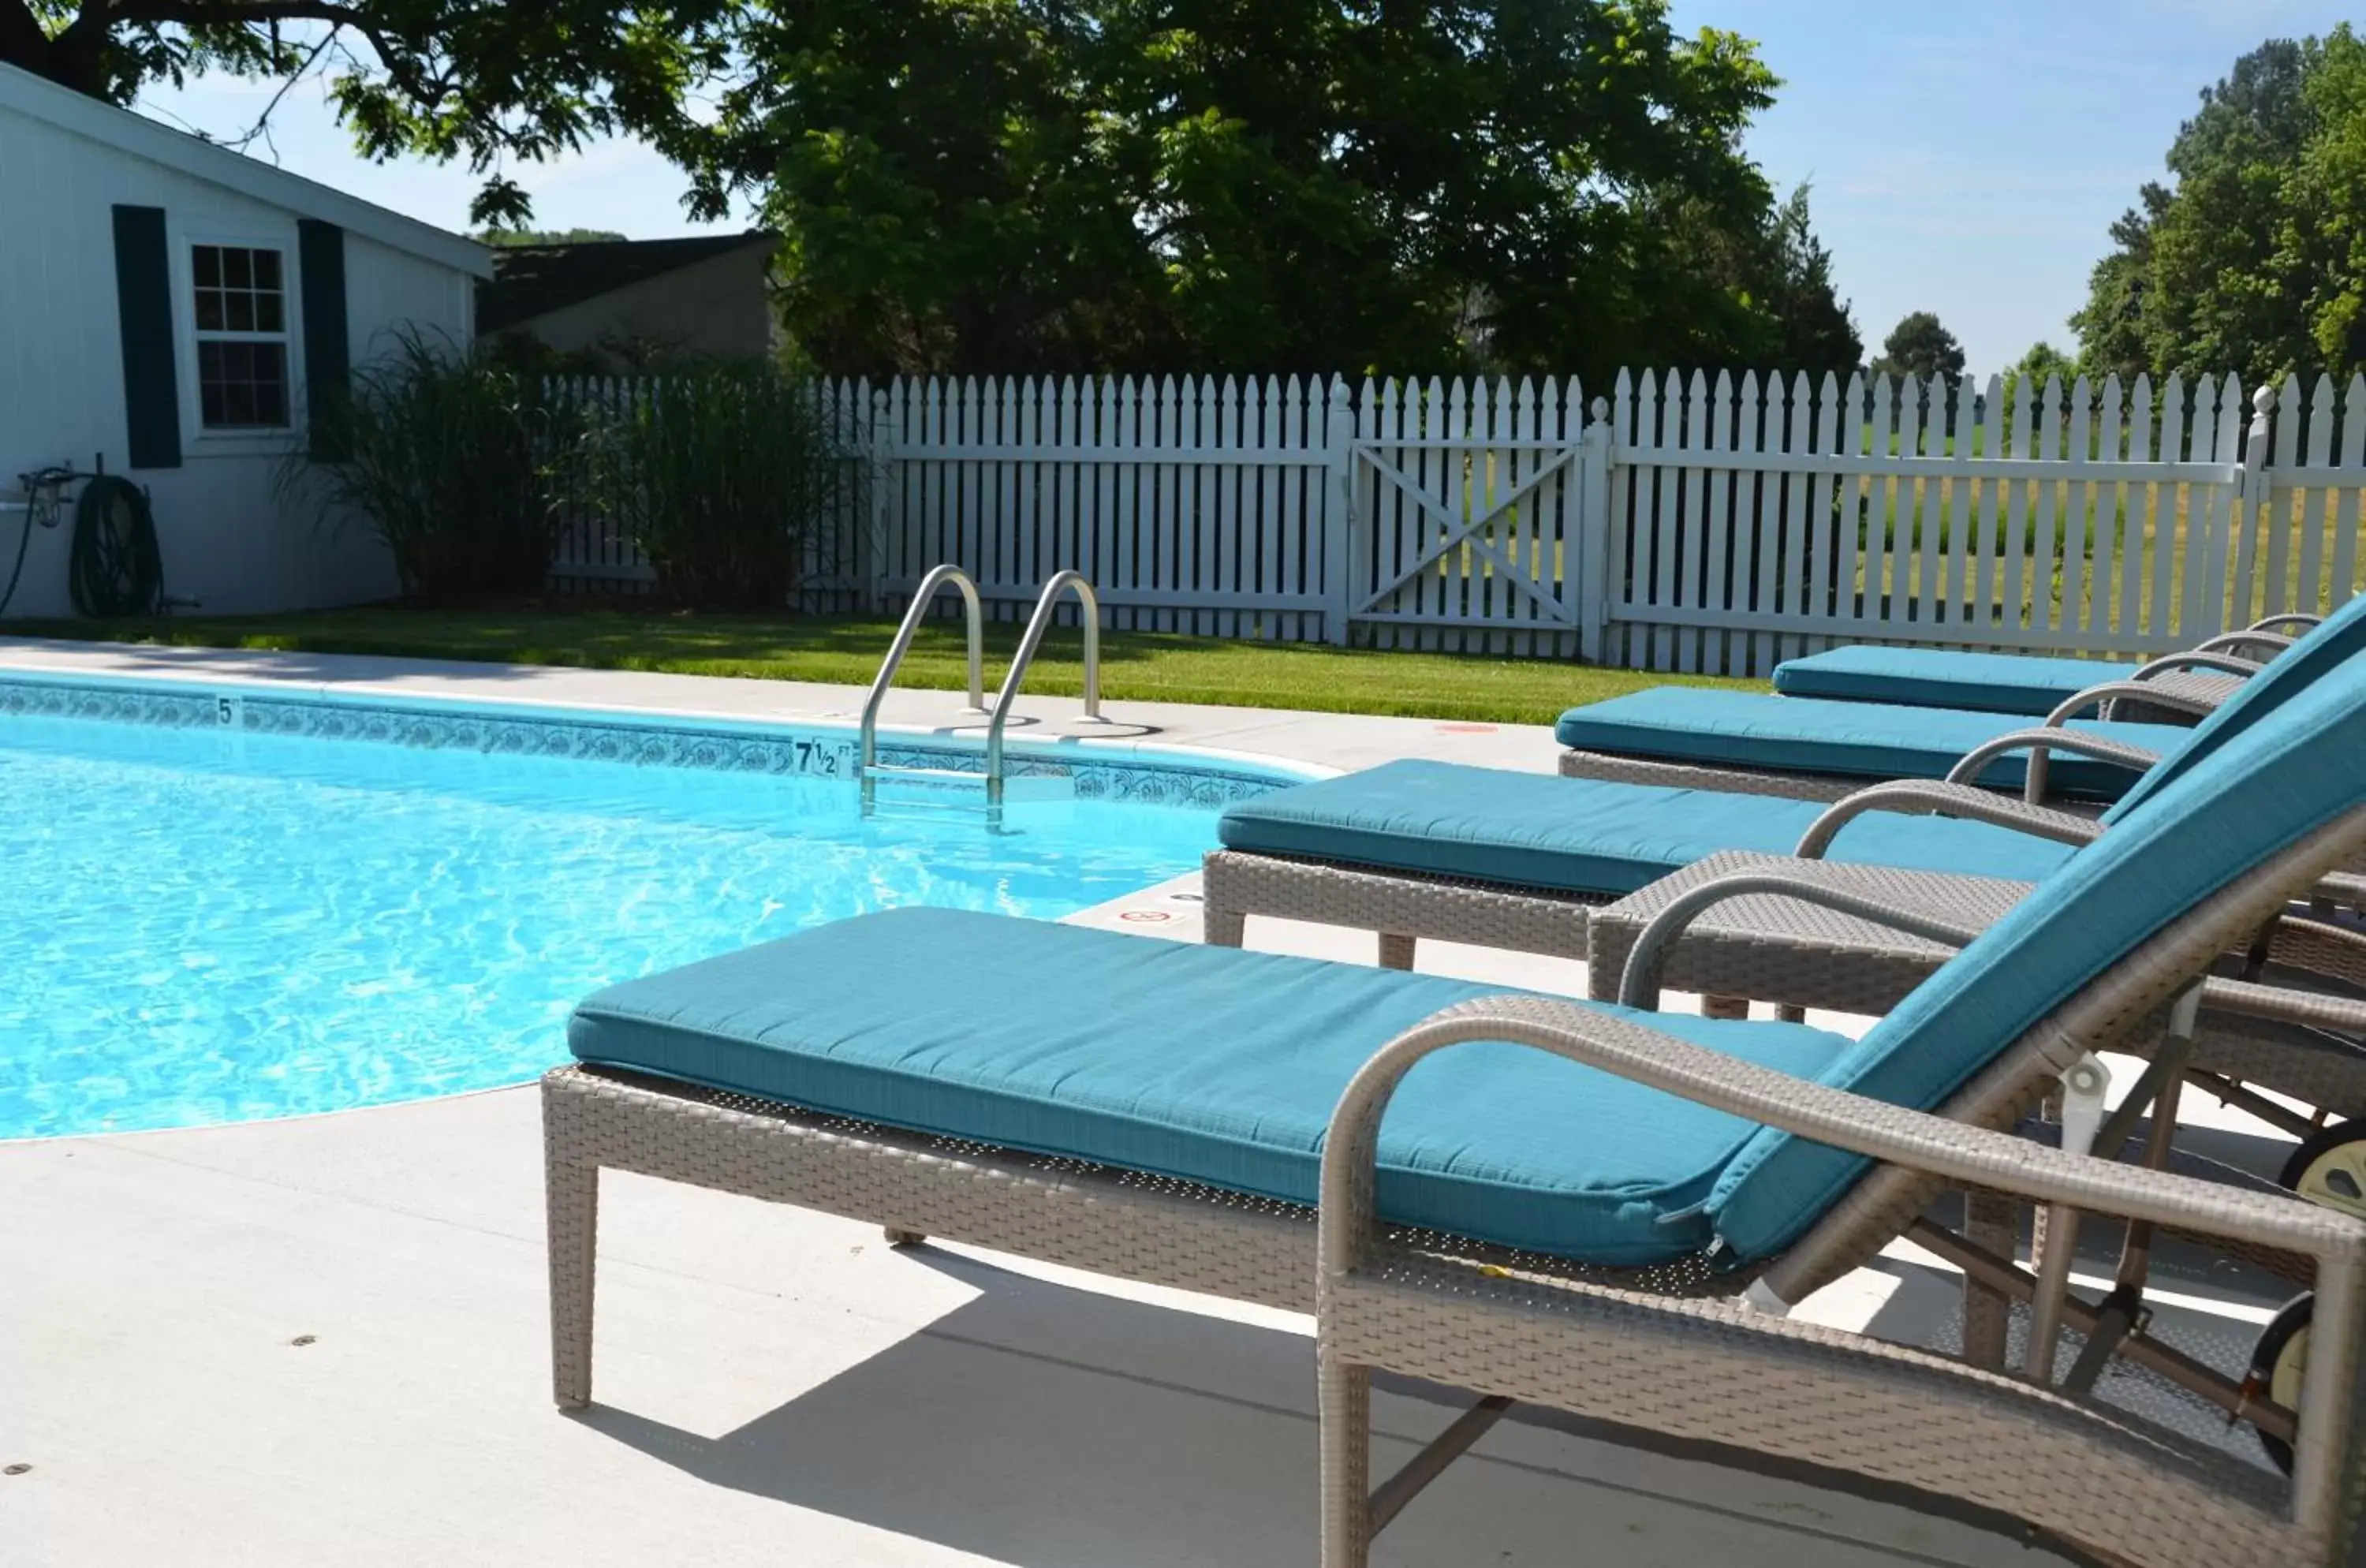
{"type": "Point", "coordinates": [625, 303]}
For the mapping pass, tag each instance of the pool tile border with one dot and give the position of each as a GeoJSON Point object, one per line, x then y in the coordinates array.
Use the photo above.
{"type": "Point", "coordinates": [651, 740]}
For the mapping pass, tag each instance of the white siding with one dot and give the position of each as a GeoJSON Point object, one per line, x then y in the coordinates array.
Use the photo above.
{"type": "Point", "coordinates": [228, 539]}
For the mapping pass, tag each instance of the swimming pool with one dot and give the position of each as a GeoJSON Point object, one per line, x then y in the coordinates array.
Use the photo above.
{"type": "Point", "coordinates": [218, 905]}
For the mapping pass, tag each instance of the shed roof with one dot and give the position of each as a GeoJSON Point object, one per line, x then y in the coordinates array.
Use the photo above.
{"type": "Point", "coordinates": [534, 280]}
{"type": "Point", "coordinates": [136, 134]}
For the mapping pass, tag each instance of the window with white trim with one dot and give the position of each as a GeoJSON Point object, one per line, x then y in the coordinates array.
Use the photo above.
{"type": "Point", "coordinates": [242, 337]}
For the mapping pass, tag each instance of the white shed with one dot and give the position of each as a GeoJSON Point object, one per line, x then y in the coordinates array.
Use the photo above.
{"type": "Point", "coordinates": [175, 311]}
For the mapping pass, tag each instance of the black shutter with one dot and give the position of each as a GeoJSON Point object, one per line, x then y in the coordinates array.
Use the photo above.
{"type": "Point", "coordinates": [321, 272]}
{"type": "Point", "coordinates": [143, 304]}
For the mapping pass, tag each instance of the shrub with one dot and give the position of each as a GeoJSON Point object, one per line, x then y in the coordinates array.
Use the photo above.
{"type": "Point", "coordinates": [728, 475]}
{"type": "Point", "coordinates": [452, 458]}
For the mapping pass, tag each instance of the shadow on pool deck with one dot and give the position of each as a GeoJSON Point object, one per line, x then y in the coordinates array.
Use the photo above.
{"type": "Point", "coordinates": [1017, 1428]}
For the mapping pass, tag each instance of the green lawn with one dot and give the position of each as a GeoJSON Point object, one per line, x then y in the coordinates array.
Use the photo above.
{"type": "Point", "coordinates": [1135, 666]}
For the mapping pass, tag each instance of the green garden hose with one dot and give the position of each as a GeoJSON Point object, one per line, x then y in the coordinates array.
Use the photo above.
{"type": "Point", "coordinates": [116, 569]}
{"type": "Point", "coordinates": [24, 543]}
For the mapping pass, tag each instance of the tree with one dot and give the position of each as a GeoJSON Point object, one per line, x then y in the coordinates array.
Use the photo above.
{"type": "Point", "coordinates": [1814, 330]}
{"type": "Point", "coordinates": [440, 79]}
{"type": "Point", "coordinates": [2043, 362]}
{"type": "Point", "coordinates": [2254, 260]}
{"type": "Point", "coordinates": [1105, 185]}
{"type": "Point", "coordinates": [520, 239]}
{"type": "Point", "coordinates": [1205, 185]}
{"type": "Point", "coordinates": [2110, 326]}
{"type": "Point", "coordinates": [1920, 347]}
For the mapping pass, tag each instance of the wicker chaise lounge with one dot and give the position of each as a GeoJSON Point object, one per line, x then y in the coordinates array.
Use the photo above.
{"type": "Point", "coordinates": [2020, 683]}
{"type": "Point", "coordinates": [1530, 862]}
{"type": "Point", "coordinates": [1417, 850]}
{"type": "Point", "coordinates": [1815, 748]}
{"type": "Point", "coordinates": [1625, 1355]}
{"type": "Point", "coordinates": [1809, 749]}
{"type": "Point", "coordinates": [1521, 1225]}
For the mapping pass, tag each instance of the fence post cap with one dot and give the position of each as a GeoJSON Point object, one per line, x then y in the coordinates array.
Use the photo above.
{"type": "Point", "coordinates": [1338, 388]}
{"type": "Point", "coordinates": [2263, 398]}
{"type": "Point", "coordinates": [1600, 408]}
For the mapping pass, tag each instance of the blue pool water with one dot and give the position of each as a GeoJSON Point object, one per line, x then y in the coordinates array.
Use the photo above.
{"type": "Point", "coordinates": [197, 925]}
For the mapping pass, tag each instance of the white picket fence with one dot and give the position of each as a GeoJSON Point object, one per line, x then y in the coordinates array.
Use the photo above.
{"type": "Point", "coordinates": [1685, 522]}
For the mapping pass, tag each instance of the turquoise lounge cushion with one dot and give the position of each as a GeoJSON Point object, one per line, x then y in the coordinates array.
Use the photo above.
{"type": "Point", "coordinates": [1942, 678]}
{"type": "Point", "coordinates": [1586, 835]}
{"type": "Point", "coordinates": [1210, 1063]}
{"type": "Point", "coordinates": [2289, 772]}
{"type": "Point", "coordinates": [1745, 729]}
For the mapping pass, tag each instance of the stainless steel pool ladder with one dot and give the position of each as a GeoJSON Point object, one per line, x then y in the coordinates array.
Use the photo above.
{"type": "Point", "coordinates": [868, 768]}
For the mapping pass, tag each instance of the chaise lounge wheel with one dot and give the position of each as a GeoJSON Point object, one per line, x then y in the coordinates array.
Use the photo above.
{"type": "Point", "coordinates": [2278, 1360]}
{"type": "Point", "coordinates": [2330, 1168]}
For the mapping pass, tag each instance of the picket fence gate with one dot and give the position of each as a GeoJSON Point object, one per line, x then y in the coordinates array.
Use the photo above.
{"type": "Point", "coordinates": [1686, 521]}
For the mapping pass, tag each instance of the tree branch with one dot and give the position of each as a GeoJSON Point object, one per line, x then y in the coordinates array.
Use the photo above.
{"type": "Point", "coordinates": [22, 42]}
{"type": "Point", "coordinates": [217, 12]}
{"type": "Point", "coordinates": [235, 13]}
{"type": "Point", "coordinates": [262, 126]}
{"type": "Point", "coordinates": [76, 53]}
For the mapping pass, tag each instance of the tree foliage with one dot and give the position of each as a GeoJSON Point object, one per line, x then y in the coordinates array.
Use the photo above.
{"type": "Point", "coordinates": [2041, 364]}
{"type": "Point", "coordinates": [2043, 361]}
{"type": "Point", "coordinates": [1814, 329]}
{"type": "Point", "coordinates": [482, 81]}
{"type": "Point", "coordinates": [520, 239]}
{"type": "Point", "coordinates": [1920, 346]}
{"type": "Point", "coordinates": [1261, 185]}
{"type": "Point", "coordinates": [2254, 260]}
{"type": "Point", "coordinates": [1108, 185]}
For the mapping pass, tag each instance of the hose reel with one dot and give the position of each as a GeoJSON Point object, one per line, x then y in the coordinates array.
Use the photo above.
{"type": "Point", "coordinates": [113, 567]}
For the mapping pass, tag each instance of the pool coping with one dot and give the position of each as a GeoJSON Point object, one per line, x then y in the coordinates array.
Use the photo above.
{"type": "Point", "coordinates": [1129, 767]}
{"type": "Point", "coordinates": [1314, 742]}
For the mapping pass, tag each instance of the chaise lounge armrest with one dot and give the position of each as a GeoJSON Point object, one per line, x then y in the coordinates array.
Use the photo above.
{"type": "Point", "coordinates": [1639, 980]}
{"type": "Point", "coordinates": [2197, 658]}
{"type": "Point", "coordinates": [1955, 1151]}
{"type": "Point", "coordinates": [2103, 696]}
{"type": "Point", "coordinates": [2279, 1004]}
{"type": "Point", "coordinates": [1639, 983]}
{"type": "Point", "coordinates": [1919, 797]}
{"type": "Point", "coordinates": [2269, 643]}
{"type": "Point", "coordinates": [2040, 742]}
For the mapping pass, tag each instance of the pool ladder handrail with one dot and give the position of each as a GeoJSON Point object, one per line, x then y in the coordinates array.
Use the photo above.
{"type": "Point", "coordinates": [1047, 604]}
{"type": "Point", "coordinates": [867, 767]}
{"type": "Point", "coordinates": [867, 758]}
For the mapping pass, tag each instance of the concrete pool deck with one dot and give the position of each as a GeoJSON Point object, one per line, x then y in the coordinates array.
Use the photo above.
{"type": "Point", "coordinates": [322, 1340]}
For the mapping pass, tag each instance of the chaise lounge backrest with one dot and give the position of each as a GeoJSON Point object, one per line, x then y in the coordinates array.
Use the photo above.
{"type": "Point", "coordinates": [2324, 649]}
{"type": "Point", "coordinates": [2292, 762]}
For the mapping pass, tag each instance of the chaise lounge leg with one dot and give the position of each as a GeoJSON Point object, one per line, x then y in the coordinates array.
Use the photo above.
{"type": "Point", "coordinates": [1344, 1395]}
{"type": "Point", "coordinates": [896, 1238]}
{"type": "Point", "coordinates": [1991, 1222]}
{"type": "Point", "coordinates": [1222, 928]}
{"type": "Point", "coordinates": [1396, 951]}
{"type": "Point", "coordinates": [572, 1190]}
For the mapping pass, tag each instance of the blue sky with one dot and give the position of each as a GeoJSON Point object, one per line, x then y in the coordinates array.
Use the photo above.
{"type": "Point", "coordinates": [1966, 159]}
